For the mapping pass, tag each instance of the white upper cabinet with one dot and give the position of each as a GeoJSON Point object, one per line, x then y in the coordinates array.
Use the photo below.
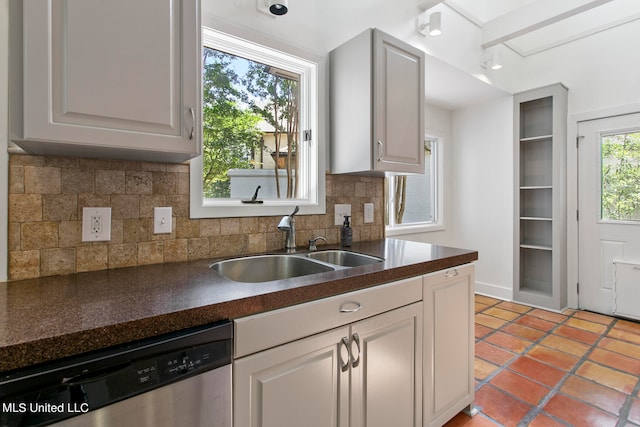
{"type": "Point", "coordinates": [116, 79]}
{"type": "Point", "coordinates": [377, 106]}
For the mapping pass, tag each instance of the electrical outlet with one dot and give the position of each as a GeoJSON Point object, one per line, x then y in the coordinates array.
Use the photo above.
{"type": "Point", "coordinates": [340, 211]}
{"type": "Point", "coordinates": [368, 213]}
{"type": "Point", "coordinates": [96, 224]}
{"type": "Point", "coordinates": [162, 220]}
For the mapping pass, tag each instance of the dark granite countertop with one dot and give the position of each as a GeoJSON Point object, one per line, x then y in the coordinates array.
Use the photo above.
{"type": "Point", "coordinates": [54, 317]}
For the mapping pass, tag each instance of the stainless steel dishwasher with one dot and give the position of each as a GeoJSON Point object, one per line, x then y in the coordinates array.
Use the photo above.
{"type": "Point", "coordinates": [178, 379]}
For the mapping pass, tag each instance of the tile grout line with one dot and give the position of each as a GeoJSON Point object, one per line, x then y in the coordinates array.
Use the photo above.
{"type": "Point", "coordinates": [572, 372]}
{"type": "Point", "coordinates": [539, 408]}
{"type": "Point", "coordinates": [625, 410]}
{"type": "Point", "coordinates": [535, 409]}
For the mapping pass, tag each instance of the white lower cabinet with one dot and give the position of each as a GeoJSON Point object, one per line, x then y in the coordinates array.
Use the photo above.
{"type": "Point", "coordinates": [296, 384]}
{"type": "Point", "coordinates": [367, 373]}
{"type": "Point", "coordinates": [399, 354]}
{"type": "Point", "coordinates": [449, 341]}
{"type": "Point", "coordinates": [386, 377]}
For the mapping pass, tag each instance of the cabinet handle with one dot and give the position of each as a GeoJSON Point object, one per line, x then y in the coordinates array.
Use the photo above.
{"type": "Point", "coordinates": [380, 150]}
{"type": "Point", "coordinates": [344, 343]}
{"type": "Point", "coordinates": [355, 361]}
{"type": "Point", "coordinates": [356, 307]}
{"type": "Point", "coordinates": [451, 273]}
{"type": "Point", "coordinates": [193, 123]}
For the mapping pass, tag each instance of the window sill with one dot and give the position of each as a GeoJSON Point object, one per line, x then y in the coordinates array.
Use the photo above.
{"type": "Point", "coordinates": [413, 229]}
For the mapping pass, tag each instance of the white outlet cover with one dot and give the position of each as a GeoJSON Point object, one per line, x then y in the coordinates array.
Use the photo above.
{"type": "Point", "coordinates": [340, 211]}
{"type": "Point", "coordinates": [368, 213]}
{"type": "Point", "coordinates": [99, 216]}
{"type": "Point", "coordinates": [162, 220]}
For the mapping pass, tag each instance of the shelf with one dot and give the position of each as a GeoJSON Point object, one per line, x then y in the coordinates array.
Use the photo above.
{"type": "Point", "coordinates": [537, 287]}
{"type": "Point", "coordinates": [537, 187]}
{"type": "Point", "coordinates": [536, 118]}
{"type": "Point", "coordinates": [535, 218]}
{"type": "Point", "coordinates": [536, 203]}
{"type": "Point", "coordinates": [536, 234]}
{"type": "Point", "coordinates": [535, 270]}
{"type": "Point", "coordinates": [536, 247]}
{"type": "Point", "coordinates": [537, 138]}
{"type": "Point", "coordinates": [540, 267]}
{"type": "Point", "coordinates": [536, 163]}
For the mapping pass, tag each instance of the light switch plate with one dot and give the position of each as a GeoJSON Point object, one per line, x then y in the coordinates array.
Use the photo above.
{"type": "Point", "coordinates": [340, 211]}
{"type": "Point", "coordinates": [96, 224]}
{"type": "Point", "coordinates": [368, 213]}
{"type": "Point", "coordinates": [162, 220]}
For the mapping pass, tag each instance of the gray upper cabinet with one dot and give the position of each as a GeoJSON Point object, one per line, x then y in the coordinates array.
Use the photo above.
{"type": "Point", "coordinates": [116, 79]}
{"type": "Point", "coordinates": [377, 106]}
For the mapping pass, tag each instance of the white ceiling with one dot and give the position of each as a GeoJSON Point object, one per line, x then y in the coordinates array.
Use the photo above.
{"type": "Point", "coordinates": [571, 20]}
{"type": "Point", "coordinates": [526, 26]}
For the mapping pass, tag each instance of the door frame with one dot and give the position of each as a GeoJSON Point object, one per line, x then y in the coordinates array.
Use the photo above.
{"type": "Point", "coordinates": [572, 190]}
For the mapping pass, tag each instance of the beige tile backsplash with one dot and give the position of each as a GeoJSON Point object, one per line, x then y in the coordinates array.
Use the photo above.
{"type": "Point", "coordinates": [47, 194]}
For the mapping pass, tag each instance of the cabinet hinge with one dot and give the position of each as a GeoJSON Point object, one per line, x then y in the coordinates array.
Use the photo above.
{"type": "Point", "coordinates": [578, 138]}
{"type": "Point", "coordinates": [306, 135]}
{"type": "Point", "coordinates": [577, 215]}
{"type": "Point", "coordinates": [578, 288]}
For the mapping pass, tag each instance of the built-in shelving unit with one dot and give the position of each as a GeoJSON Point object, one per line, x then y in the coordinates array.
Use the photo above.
{"type": "Point", "coordinates": [540, 119]}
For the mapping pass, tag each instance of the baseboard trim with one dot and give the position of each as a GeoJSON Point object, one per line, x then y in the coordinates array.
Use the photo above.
{"type": "Point", "coordinates": [494, 291]}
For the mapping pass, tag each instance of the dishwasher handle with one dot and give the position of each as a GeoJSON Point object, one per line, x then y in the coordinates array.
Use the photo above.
{"type": "Point", "coordinates": [86, 376]}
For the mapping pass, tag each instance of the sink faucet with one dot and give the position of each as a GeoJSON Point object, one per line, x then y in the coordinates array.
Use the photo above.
{"type": "Point", "coordinates": [312, 243]}
{"type": "Point", "coordinates": [288, 225]}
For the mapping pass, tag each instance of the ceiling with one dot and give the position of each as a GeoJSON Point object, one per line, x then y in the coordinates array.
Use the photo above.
{"type": "Point", "coordinates": [526, 27]}
{"type": "Point", "coordinates": [532, 26]}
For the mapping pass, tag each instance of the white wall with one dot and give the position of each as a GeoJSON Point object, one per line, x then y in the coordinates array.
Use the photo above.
{"type": "Point", "coordinates": [600, 71]}
{"type": "Point", "coordinates": [482, 184]}
{"type": "Point", "coordinates": [478, 189]}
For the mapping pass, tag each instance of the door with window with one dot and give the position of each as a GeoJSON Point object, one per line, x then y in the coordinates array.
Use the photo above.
{"type": "Point", "coordinates": [609, 214]}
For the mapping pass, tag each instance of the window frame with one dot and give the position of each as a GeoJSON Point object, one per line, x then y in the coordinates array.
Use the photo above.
{"type": "Point", "coordinates": [312, 70]}
{"type": "Point", "coordinates": [437, 176]}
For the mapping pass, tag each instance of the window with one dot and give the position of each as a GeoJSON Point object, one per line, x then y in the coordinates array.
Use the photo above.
{"type": "Point", "coordinates": [260, 149]}
{"type": "Point", "coordinates": [620, 177]}
{"type": "Point", "coordinates": [413, 202]}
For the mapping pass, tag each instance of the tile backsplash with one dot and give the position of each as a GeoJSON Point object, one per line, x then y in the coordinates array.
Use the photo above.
{"type": "Point", "coordinates": [47, 195]}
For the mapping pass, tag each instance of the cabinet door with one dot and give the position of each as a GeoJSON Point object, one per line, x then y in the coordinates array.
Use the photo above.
{"type": "Point", "coordinates": [386, 386]}
{"type": "Point", "coordinates": [449, 343]}
{"type": "Point", "coordinates": [115, 78]}
{"type": "Point", "coordinates": [398, 105]}
{"type": "Point", "coordinates": [297, 384]}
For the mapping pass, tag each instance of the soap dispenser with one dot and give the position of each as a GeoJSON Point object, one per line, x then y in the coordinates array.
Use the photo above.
{"type": "Point", "coordinates": [346, 232]}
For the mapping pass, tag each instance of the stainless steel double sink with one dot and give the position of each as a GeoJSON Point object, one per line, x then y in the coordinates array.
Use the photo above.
{"type": "Point", "coordinates": [264, 268]}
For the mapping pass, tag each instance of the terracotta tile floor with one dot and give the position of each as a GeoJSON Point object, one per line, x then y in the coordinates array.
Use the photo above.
{"type": "Point", "coordinates": [538, 368]}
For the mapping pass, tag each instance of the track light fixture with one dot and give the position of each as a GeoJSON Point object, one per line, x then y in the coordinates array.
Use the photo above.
{"type": "Point", "coordinates": [430, 25]}
{"type": "Point", "coordinates": [493, 60]}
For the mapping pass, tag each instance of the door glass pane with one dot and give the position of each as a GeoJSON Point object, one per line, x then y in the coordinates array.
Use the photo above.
{"type": "Point", "coordinates": [620, 177]}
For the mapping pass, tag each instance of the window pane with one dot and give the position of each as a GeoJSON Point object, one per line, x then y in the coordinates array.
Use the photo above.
{"type": "Point", "coordinates": [413, 195]}
{"type": "Point", "coordinates": [620, 179]}
{"type": "Point", "coordinates": [250, 128]}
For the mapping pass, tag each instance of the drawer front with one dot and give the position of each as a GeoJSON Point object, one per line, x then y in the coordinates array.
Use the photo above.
{"type": "Point", "coordinates": [265, 330]}
{"type": "Point", "coordinates": [449, 275]}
